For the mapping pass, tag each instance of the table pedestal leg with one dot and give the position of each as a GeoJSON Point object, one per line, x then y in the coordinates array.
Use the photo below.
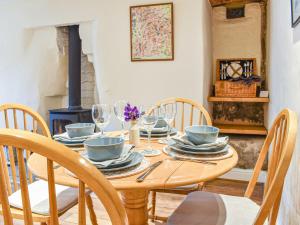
{"type": "Point", "coordinates": [136, 203]}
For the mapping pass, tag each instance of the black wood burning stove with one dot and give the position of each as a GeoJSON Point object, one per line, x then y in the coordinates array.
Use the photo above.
{"type": "Point", "coordinates": [74, 113]}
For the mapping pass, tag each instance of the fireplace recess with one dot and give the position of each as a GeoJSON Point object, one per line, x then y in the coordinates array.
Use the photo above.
{"type": "Point", "coordinates": [74, 113]}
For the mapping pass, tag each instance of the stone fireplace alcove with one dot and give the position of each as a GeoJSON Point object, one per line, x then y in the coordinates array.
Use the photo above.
{"type": "Point", "coordinates": [80, 83]}
{"type": "Point", "coordinates": [88, 85]}
{"type": "Point", "coordinates": [53, 62]}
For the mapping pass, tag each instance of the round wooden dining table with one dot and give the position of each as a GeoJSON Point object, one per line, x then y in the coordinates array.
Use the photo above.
{"type": "Point", "coordinates": [169, 174]}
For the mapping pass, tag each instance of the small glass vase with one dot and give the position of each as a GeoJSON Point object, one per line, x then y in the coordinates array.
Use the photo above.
{"type": "Point", "coordinates": [134, 133]}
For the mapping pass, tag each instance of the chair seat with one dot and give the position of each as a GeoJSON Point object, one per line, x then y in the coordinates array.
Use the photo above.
{"type": "Point", "coordinates": [66, 197]}
{"type": "Point", "coordinates": [204, 208]}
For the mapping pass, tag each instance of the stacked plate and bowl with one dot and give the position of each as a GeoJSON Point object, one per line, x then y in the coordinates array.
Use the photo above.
{"type": "Point", "coordinates": [159, 131]}
{"type": "Point", "coordinates": [77, 134]}
{"type": "Point", "coordinates": [110, 154]}
{"type": "Point", "coordinates": [199, 141]}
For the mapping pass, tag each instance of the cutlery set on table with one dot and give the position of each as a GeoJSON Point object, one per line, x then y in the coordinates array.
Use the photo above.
{"type": "Point", "coordinates": [117, 159]}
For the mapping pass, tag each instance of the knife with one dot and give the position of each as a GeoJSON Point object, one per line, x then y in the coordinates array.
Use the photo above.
{"type": "Point", "coordinates": [150, 169]}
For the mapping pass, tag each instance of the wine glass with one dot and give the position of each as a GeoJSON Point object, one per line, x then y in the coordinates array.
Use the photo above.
{"type": "Point", "coordinates": [168, 112]}
{"type": "Point", "coordinates": [101, 114]}
{"type": "Point", "coordinates": [119, 108]}
{"type": "Point", "coordinates": [148, 121]}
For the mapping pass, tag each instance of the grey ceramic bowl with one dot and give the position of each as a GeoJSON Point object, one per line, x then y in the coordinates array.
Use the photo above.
{"type": "Point", "coordinates": [80, 129]}
{"type": "Point", "coordinates": [104, 148]}
{"type": "Point", "coordinates": [202, 134]}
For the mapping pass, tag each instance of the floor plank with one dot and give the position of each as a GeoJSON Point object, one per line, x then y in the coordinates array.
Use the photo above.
{"type": "Point", "coordinates": [166, 203]}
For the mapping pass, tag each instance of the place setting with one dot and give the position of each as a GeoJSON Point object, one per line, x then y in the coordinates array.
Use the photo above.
{"type": "Point", "coordinates": [113, 157]}
{"type": "Point", "coordinates": [163, 117]}
{"type": "Point", "coordinates": [200, 143]}
{"type": "Point", "coordinates": [157, 125]}
{"type": "Point", "coordinates": [76, 134]}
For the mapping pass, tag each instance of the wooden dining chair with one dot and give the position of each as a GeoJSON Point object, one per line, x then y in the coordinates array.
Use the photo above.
{"type": "Point", "coordinates": [88, 176]}
{"type": "Point", "coordinates": [189, 113]}
{"type": "Point", "coordinates": [22, 117]}
{"type": "Point", "coordinates": [204, 208]}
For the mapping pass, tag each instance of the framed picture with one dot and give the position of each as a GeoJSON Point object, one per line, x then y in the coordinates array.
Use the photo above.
{"type": "Point", "coordinates": [151, 32]}
{"type": "Point", "coordinates": [295, 12]}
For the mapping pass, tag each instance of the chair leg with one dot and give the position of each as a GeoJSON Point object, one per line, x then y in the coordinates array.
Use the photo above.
{"type": "Point", "coordinates": [201, 186]}
{"type": "Point", "coordinates": [89, 203]}
{"type": "Point", "coordinates": [153, 206]}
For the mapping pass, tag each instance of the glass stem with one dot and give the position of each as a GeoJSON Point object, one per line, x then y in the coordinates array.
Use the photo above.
{"type": "Point", "coordinates": [102, 132]}
{"type": "Point", "coordinates": [168, 132]}
{"type": "Point", "coordinates": [123, 130]}
{"type": "Point", "coordinates": [149, 137]}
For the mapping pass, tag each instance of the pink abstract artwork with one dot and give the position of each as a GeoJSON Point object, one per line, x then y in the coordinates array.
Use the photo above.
{"type": "Point", "coordinates": [152, 32]}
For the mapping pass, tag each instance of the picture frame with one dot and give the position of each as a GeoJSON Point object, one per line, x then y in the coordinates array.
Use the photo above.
{"type": "Point", "coordinates": [295, 10]}
{"type": "Point", "coordinates": [152, 32]}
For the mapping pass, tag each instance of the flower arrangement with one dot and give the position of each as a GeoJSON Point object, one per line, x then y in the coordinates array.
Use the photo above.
{"type": "Point", "coordinates": [131, 113]}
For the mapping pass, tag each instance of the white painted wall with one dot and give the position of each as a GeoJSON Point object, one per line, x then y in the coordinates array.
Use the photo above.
{"type": "Point", "coordinates": [284, 86]}
{"type": "Point", "coordinates": [29, 66]}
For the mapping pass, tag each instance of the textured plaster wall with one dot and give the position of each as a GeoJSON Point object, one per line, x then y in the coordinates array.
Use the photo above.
{"type": "Point", "coordinates": [284, 86]}
{"type": "Point", "coordinates": [237, 38]}
{"type": "Point", "coordinates": [30, 64]}
{"type": "Point", "coordinates": [88, 86]}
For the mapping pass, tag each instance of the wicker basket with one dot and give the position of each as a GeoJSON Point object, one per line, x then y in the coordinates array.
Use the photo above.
{"type": "Point", "coordinates": [235, 89]}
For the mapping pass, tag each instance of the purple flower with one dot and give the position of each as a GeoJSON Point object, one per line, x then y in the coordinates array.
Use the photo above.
{"type": "Point", "coordinates": [131, 112]}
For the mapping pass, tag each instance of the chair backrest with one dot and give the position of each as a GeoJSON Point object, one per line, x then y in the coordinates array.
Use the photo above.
{"type": "Point", "coordinates": [87, 175]}
{"type": "Point", "coordinates": [280, 144]}
{"type": "Point", "coordinates": [20, 117]}
{"type": "Point", "coordinates": [23, 117]}
{"type": "Point", "coordinates": [196, 113]}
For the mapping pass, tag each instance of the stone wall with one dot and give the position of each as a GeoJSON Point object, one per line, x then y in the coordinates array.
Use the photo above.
{"type": "Point", "coordinates": [88, 87]}
{"type": "Point", "coordinates": [238, 113]}
{"type": "Point", "coordinates": [248, 148]}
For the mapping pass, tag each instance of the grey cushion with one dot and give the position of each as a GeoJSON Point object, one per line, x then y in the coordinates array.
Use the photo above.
{"type": "Point", "coordinates": [204, 208]}
{"type": "Point", "coordinates": [66, 197]}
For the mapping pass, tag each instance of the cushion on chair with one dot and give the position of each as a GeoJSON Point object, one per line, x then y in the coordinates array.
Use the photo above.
{"type": "Point", "coordinates": [66, 198]}
{"type": "Point", "coordinates": [204, 208]}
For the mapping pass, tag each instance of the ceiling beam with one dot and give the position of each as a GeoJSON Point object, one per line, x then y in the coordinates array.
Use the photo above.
{"type": "Point", "coordinates": [215, 3]}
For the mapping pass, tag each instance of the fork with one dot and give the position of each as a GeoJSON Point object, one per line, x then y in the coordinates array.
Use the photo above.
{"type": "Point", "coordinates": [193, 160]}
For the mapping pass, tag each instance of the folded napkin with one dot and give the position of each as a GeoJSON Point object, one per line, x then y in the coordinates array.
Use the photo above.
{"type": "Point", "coordinates": [127, 151]}
{"type": "Point", "coordinates": [184, 141]}
{"type": "Point", "coordinates": [65, 137]}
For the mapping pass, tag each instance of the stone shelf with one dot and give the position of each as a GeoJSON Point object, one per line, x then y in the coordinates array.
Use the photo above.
{"type": "Point", "coordinates": [225, 99]}
{"type": "Point", "coordinates": [242, 129]}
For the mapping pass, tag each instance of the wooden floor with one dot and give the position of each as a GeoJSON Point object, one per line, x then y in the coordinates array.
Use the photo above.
{"type": "Point", "coordinates": [166, 203]}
